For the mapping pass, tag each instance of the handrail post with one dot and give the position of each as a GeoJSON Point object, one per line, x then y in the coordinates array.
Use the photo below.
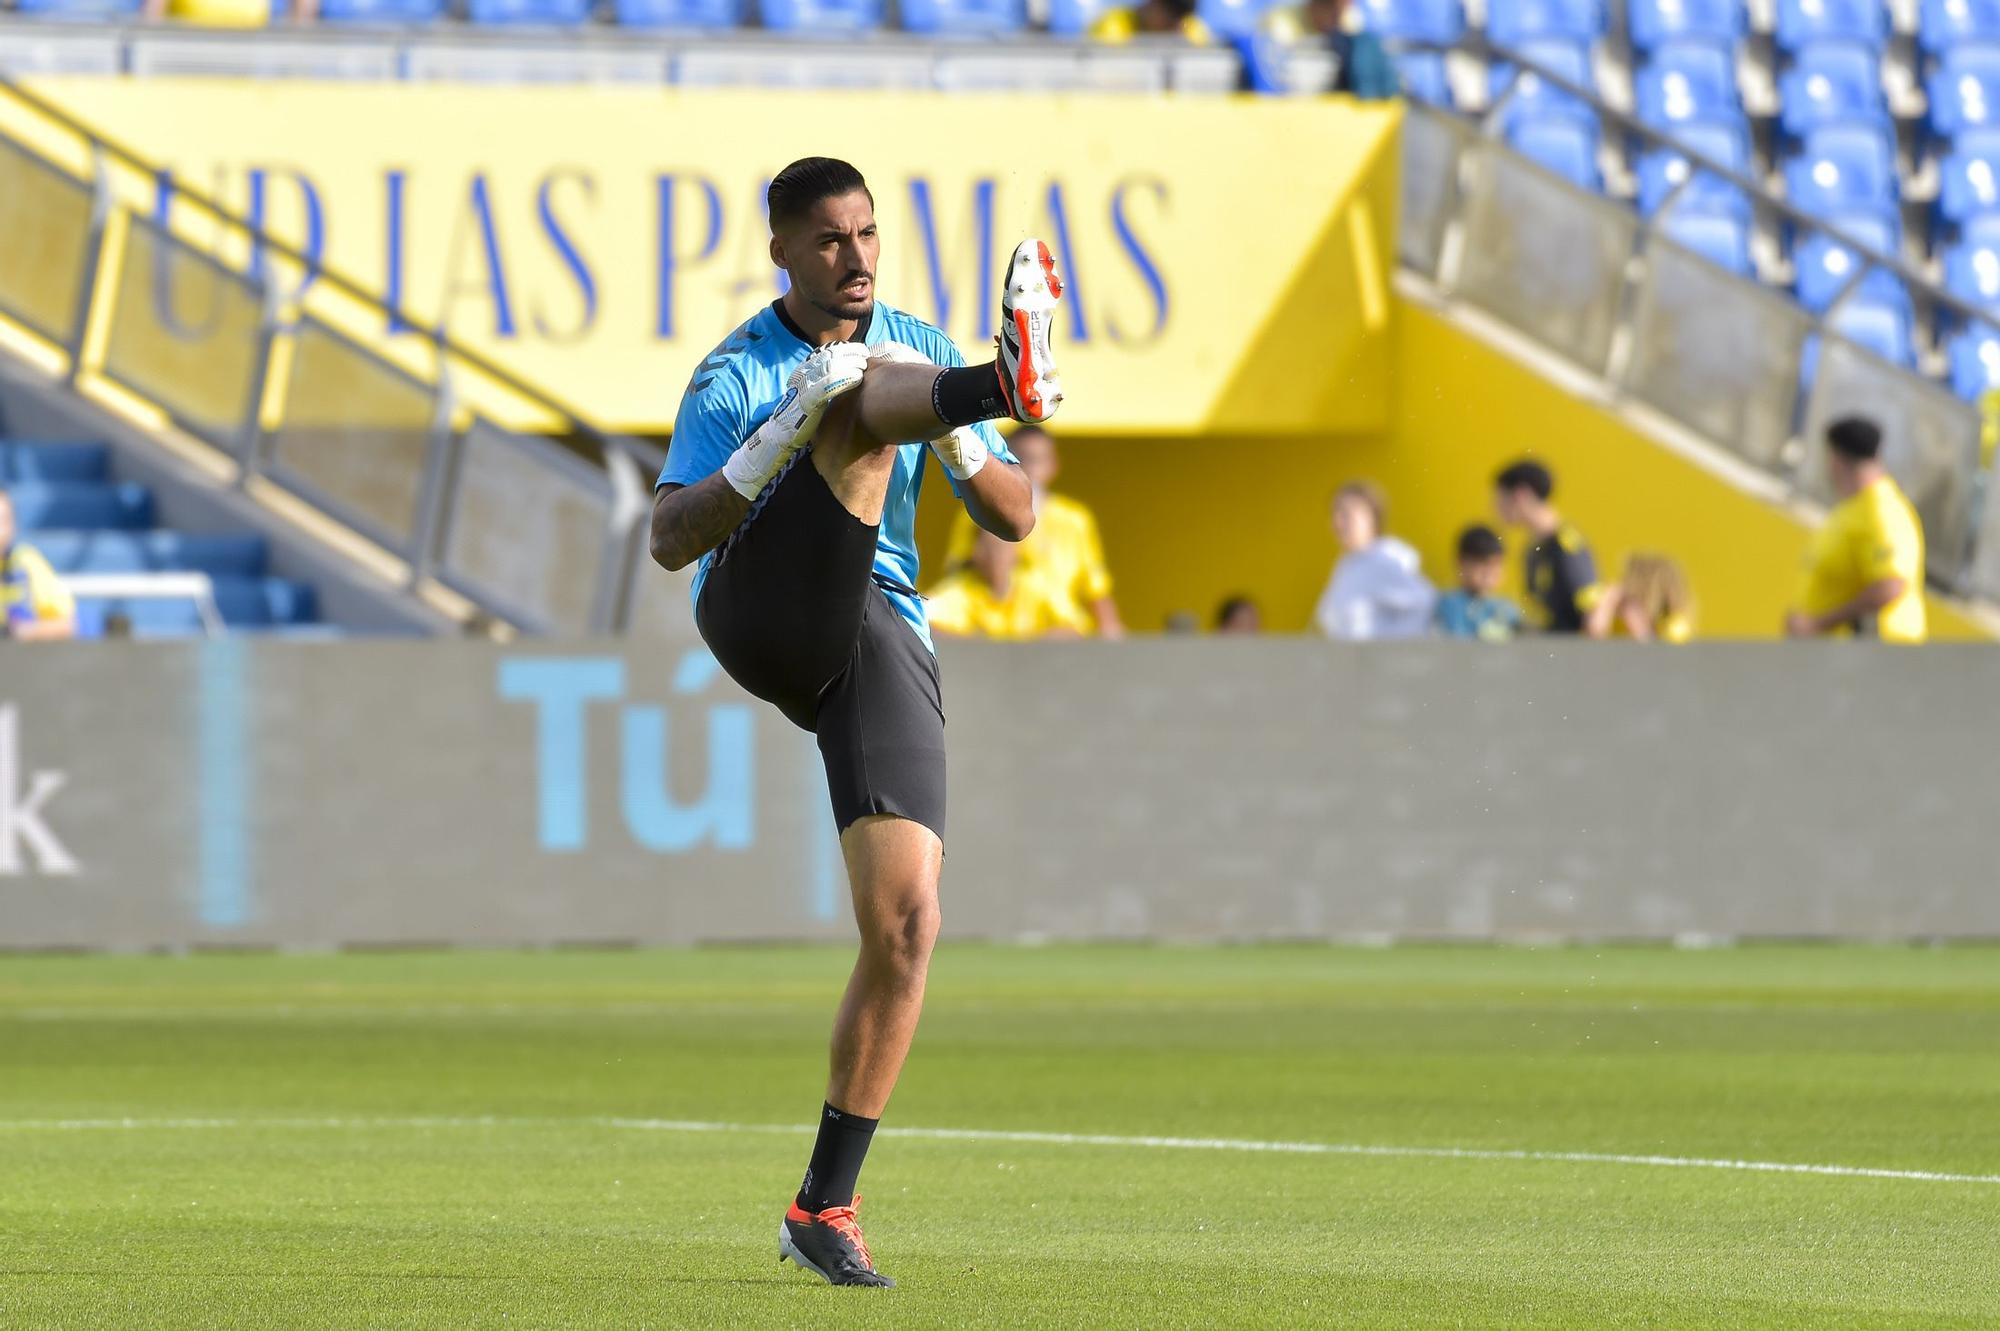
{"type": "Point", "coordinates": [625, 523]}
{"type": "Point", "coordinates": [93, 263]}
{"type": "Point", "coordinates": [439, 472]}
{"type": "Point", "coordinates": [252, 438]}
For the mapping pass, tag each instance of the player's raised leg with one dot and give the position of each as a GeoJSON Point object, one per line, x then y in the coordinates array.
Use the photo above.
{"type": "Point", "coordinates": [902, 401]}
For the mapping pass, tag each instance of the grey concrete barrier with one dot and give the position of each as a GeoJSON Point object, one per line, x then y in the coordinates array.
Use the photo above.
{"type": "Point", "coordinates": [244, 793]}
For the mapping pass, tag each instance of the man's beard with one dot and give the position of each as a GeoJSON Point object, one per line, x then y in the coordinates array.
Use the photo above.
{"type": "Point", "coordinates": [837, 308]}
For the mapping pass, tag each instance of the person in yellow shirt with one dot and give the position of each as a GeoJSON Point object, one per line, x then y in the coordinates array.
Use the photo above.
{"type": "Point", "coordinates": [1064, 549]}
{"type": "Point", "coordinates": [1650, 603]}
{"type": "Point", "coordinates": [228, 13]}
{"type": "Point", "coordinates": [1865, 568]}
{"type": "Point", "coordinates": [34, 604]}
{"type": "Point", "coordinates": [1152, 17]}
{"type": "Point", "coordinates": [996, 595]}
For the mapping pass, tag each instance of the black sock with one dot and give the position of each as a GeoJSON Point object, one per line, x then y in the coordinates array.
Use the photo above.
{"type": "Point", "coordinates": [968, 395]}
{"type": "Point", "coordinates": [836, 1160]}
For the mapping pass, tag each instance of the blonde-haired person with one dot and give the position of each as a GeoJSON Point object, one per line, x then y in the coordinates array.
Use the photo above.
{"type": "Point", "coordinates": [1378, 589]}
{"type": "Point", "coordinates": [1649, 603]}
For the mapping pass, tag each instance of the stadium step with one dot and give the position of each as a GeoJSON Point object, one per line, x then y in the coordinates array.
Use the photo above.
{"type": "Point", "coordinates": [27, 460]}
{"type": "Point", "coordinates": [81, 504]}
{"type": "Point", "coordinates": [156, 551]}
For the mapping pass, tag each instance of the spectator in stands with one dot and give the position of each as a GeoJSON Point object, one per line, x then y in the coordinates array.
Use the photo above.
{"type": "Point", "coordinates": [1474, 608]}
{"type": "Point", "coordinates": [1360, 64]}
{"type": "Point", "coordinates": [1865, 570]}
{"type": "Point", "coordinates": [1153, 17]}
{"type": "Point", "coordinates": [1182, 624]}
{"type": "Point", "coordinates": [1064, 549]}
{"type": "Point", "coordinates": [1378, 589]}
{"type": "Point", "coordinates": [229, 13]}
{"type": "Point", "coordinates": [1558, 568]}
{"type": "Point", "coordinates": [1239, 614]}
{"type": "Point", "coordinates": [992, 595]}
{"type": "Point", "coordinates": [34, 604]}
{"type": "Point", "coordinates": [1649, 603]}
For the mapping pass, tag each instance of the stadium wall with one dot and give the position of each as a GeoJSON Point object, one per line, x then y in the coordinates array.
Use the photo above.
{"type": "Point", "coordinates": [239, 793]}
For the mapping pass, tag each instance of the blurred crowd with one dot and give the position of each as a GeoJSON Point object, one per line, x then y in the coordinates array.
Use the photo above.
{"type": "Point", "coordinates": [1863, 575]}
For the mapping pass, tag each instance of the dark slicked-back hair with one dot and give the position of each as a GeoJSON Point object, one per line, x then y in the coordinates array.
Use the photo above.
{"type": "Point", "coordinates": [1527, 474]}
{"type": "Point", "coordinates": [1855, 437]}
{"type": "Point", "coordinates": [805, 182]}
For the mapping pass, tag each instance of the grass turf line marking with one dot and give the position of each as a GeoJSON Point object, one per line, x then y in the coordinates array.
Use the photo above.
{"type": "Point", "coordinates": [1002, 1135]}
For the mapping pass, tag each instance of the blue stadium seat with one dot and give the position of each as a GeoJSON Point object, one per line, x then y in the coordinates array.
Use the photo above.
{"type": "Point", "coordinates": [1971, 177]}
{"type": "Point", "coordinates": [1662, 170]}
{"type": "Point", "coordinates": [1965, 90]}
{"type": "Point", "coordinates": [1722, 239]}
{"type": "Point", "coordinates": [86, 10]}
{"type": "Point", "coordinates": [1686, 81]}
{"type": "Point", "coordinates": [1232, 20]}
{"type": "Point", "coordinates": [1441, 21]}
{"type": "Point", "coordinates": [541, 13]}
{"type": "Point", "coordinates": [75, 504]}
{"type": "Point", "coordinates": [688, 14]}
{"type": "Point", "coordinates": [1424, 77]}
{"type": "Point", "coordinates": [401, 12]}
{"type": "Point", "coordinates": [1832, 83]}
{"type": "Point", "coordinates": [1945, 24]}
{"type": "Point", "coordinates": [1972, 271]}
{"type": "Point", "coordinates": [1844, 168]}
{"type": "Point", "coordinates": [1881, 326]}
{"type": "Point", "coordinates": [983, 18]}
{"type": "Point", "coordinates": [1653, 22]}
{"type": "Point", "coordinates": [1563, 144]}
{"type": "Point", "coordinates": [1801, 22]}
{"type": "Point", "coordinates": [1535, 99]}
{"type": "Point", "coordinates": [832, 16]}
{"type": "Point", "coordinates": [264, 602]}
{"type": "Point", "coordinates": [1073, 18]}
{"type": "Point", "coordinates": [1510, 23]}
{"type": "Point", "coordinates": [1825, 266]}
{"type": "Point", "coordinates": [24, 461]}
{"type": "Point", "coordinates": [153, 552]}
{"type": "Point", "coordinates": [1974, 356]}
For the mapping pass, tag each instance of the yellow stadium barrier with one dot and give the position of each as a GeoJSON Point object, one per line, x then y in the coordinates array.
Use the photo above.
{"type": "Point", "coordinates": [1228, 260]}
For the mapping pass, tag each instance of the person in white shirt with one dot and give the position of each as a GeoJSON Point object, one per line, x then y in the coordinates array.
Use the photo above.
{"type": "Point", "coordinates": [1378, 589]}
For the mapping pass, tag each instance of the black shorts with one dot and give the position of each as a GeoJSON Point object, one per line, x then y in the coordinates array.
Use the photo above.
{"type": "Point", "coordinates": [791, 609]}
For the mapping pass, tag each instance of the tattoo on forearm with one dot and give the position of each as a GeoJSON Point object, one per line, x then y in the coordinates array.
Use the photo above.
{"type": "Point", "coordinates": [689, 522]}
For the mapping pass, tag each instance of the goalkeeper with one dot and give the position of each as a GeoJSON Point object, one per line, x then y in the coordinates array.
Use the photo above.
{"type": "Point", "coordinates": [793, 478]}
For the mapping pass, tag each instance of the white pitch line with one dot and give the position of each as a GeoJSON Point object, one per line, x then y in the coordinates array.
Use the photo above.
{"type": "Point", "coordinates": [1007, 1136]}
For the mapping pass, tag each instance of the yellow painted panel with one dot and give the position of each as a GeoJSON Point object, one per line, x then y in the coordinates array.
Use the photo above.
{"type": "Point", "coordinates": [600, 241]}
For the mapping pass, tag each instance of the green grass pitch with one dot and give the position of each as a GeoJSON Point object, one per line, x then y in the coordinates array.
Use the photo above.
{"type": "Point", "coordinates": [481, 1140]}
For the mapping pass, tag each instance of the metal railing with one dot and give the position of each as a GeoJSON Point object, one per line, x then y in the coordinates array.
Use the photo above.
{"type": "Point", "coordinates": [1726, 356]}
{"type": "Point", "coordinates": [603, 53]}
{"type": "Point", "coordinates": [156, 299]}
{"type": "Point", "coordinates": [194, 587]}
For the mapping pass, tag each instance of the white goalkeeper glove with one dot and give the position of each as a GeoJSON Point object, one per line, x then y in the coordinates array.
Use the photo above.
{"type": "Point", "coordinates": [826, 374]}
{"type": "Point", "coordinates": [962, 451]}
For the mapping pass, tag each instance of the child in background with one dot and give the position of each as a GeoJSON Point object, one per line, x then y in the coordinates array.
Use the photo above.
{"type": "Point", "coordinates": [1650, 603]}
{"type": "Point", "coordinates": [1472, 610]}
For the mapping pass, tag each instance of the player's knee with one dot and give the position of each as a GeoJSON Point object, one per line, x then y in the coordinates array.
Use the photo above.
{"type": "Point", "coordinates": [903, 935]}
{"type": "Point", "coordinates": [841, 431]}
